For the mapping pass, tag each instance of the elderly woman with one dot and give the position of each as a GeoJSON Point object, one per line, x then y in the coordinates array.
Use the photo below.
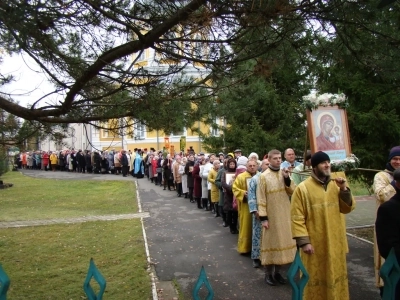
{"type": "Point", "coordinates": [226, 182]}
{"type": "Point", "coordinates": [29, 160]}
{"type": "Point", "coordinates": [154, 168]}
{"type": "Point", "coordinates": [149, 167]}
{"type": "Point", "coordinates": [254, 156]}
{"type": "Point", "coordinates": [160, 163]}
{"type": "Point", "coordinates": [177, 174]}
{"type": "Point", "coordinates": [53, 161]}
{"type": "Point", "coordinates": [197, 183]}
{"type": "Point", "coordinates": [190, 180]}
{"type": "Point", "coordinates": [185, 189]}
{"type": "Point", "coordinates": [61, 161]}
{"type": "Point", "coordinates": [167, 167]}
{"type": "Point", "coordinates": [212, 175]}
{"type": "Point", "coordinates": [204, 185]}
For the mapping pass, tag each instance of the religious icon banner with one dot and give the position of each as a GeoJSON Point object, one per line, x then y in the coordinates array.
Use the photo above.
{"type": "Point", "coordinates": [229, 177]}
{"type": "Point", "coordinates": [328, 131]}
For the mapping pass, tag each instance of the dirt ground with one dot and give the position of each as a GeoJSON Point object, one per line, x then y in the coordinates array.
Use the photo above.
{"type": "Point", "coordinates": [365, 233]}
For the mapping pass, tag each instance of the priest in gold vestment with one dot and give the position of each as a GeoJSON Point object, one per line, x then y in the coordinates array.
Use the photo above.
{"type": "Point", "coordinates": [239, 189]}
{"type": "Point", "coordinates": [318, 225]}
{"type": "Point", "coordinates": [277, 245]}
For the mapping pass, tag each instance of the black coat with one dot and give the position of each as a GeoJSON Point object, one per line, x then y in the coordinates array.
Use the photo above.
{"type": "Point", "coordinates": [190, 179]}
{"type": "Point", "coordinates": [81, 159]}
{"type": "Point", "coordinates": [97, 160]}
{"type": "Point", "coordinates": [74, 159]}
{"type": "Point", "coordinates": [387, 226]}
{"type": "Point", "coordinates": [228, 194]}
{"type": "Point", "coordinates": [61, 160]}
{"type": "Point", "coordinates": [88, 160]}
{"type": "Point", "coordinates": [124, 160]}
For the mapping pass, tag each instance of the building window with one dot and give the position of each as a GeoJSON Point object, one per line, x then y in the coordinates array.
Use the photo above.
{"type": "Point", "coordinates": [139, 132]}
{"type": "Point", "coordinates": [104, 133]}
{"type": "Point", "coordinates": [179, 133]}
{"type": "Point", "coordinates": [215, 127]}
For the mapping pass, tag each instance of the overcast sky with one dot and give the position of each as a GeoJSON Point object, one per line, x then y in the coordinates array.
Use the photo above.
{"type": "Point", "coordinates": [29, 85]}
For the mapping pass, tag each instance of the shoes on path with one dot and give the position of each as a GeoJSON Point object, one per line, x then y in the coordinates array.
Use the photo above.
{"type": "Point", "coordinates": [269, 279]}
{"type": "Point", "coordinates": [278, 277]}
{"type": "Point", "coordinates": [256, 263]}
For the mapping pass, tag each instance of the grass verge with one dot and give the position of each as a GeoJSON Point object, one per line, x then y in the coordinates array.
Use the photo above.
{"type": "Point", "coordinates": [32, 198]}
{"type": "Point", "coordinates": [51, 262]}
{"type": "Point", "coordinates": [358, 189]}
{"type": "Point", "coordinates": [365, 233]}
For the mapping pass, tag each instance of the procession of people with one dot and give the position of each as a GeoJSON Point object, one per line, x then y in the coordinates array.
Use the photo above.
{"type": "Point", "coordinates": [118, 162]}
{"type": "Point", "coordinates": [271, 214]}
{"type": "Point", "coordinates": [275, 208]}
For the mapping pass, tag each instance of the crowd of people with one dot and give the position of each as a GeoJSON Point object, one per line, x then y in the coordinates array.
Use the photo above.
{"type": "Point", "coordinates": [274, 207]}
{"type": "Point", "coordinates": [97, 162]}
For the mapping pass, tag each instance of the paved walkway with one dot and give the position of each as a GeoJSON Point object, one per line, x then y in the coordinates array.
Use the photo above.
{"type": "Point", "coordinates": [183, 238]}
{"type": "Point", "coordinates": [364, 213]}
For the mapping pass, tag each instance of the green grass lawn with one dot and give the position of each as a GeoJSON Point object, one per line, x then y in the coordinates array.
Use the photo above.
{"type": "Point", "coordinates": [358, 189]}
{"type": "Point", "coordinates": [32, 198]}
{"type": "Point", "coordinates": [51, 262]}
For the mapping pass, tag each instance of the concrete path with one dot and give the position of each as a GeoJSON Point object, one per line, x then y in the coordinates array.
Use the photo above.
{"type": "Point", "coordinates": [364, 214]}
{"type": "Point", "coordinates": [183, 238]}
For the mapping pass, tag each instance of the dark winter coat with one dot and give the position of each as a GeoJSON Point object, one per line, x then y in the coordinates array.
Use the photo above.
{"type": "Point", "coordinates": [196, 181]}
{"type": "Point", "coordinates": [228, 194]}
{"type": "Point", "coordinates": [190, 179]}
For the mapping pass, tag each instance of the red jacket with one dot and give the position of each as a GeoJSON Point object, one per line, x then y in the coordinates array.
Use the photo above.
{"type": "Point", "coordinates": [154, 167]}
{"type": "Point", "coordinates": [45, 159]}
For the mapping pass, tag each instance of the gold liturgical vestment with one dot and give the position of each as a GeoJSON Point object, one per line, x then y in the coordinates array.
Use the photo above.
{"type": "Point", "coordinates": [277, 245]}
{"type": "Point", "coordinates": [318, 214]}
{"type": "Point", "coordinates": [239, 189]}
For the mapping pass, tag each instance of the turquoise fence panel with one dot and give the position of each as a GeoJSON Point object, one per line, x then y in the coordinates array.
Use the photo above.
{"type": "Point", "coordinates": [93, 272]}
{"type": "Point", "coordinates": [297, 287]}
{"type": "Point", "coordinates": [390, 273]}
{"type": "Point", "coordinates": [4, 284]}
{"type": "Point", "coordinates": [200, 281]}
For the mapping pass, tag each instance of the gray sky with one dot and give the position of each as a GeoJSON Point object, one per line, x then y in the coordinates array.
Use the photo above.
{"type": "Point", "coordinates": [29, 85]}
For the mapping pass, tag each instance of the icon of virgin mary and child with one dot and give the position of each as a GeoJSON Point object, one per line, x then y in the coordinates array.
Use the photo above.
{"type": "Point", "coordinates": [330, 137]}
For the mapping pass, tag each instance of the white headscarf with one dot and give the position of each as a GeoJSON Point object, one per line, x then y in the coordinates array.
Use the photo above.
{"type": "Point", "coordinates": [242, 161]}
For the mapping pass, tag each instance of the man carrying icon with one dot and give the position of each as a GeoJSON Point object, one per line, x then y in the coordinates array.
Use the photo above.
{"type": "Point", "coordinates": [318, 225]}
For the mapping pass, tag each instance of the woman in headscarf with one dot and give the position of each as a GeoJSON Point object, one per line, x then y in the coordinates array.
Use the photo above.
{"type": "Point", "coordinates": [231, 214]}
{"type": "Point", "coordinates": [185, 189]}
{"type": "Point", "coordinates": [189, 172]}
{"type": "Point", "coordinates": [96, 162]}
{"type": "Point", "coordinates": [138, 166]}
{"type": "Point", "coordinates": [149, 168]}
{"type": "Point", "coordinates": [160, 163]}
{"type": "Point", "coordinates": [154, 167]}
{"type": "Point", "coordinates": [29, 160]}
{"type": "Point", "coordinates": [167, 166]}
{"type": "Point", "coordinates": [177, 174]}
{"type": "Point", "coordinates": [61, 161]}
{"type": "Point", "coordinates": [197, 182]}
{"type": "Point", "coordinates": [104, 162]}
